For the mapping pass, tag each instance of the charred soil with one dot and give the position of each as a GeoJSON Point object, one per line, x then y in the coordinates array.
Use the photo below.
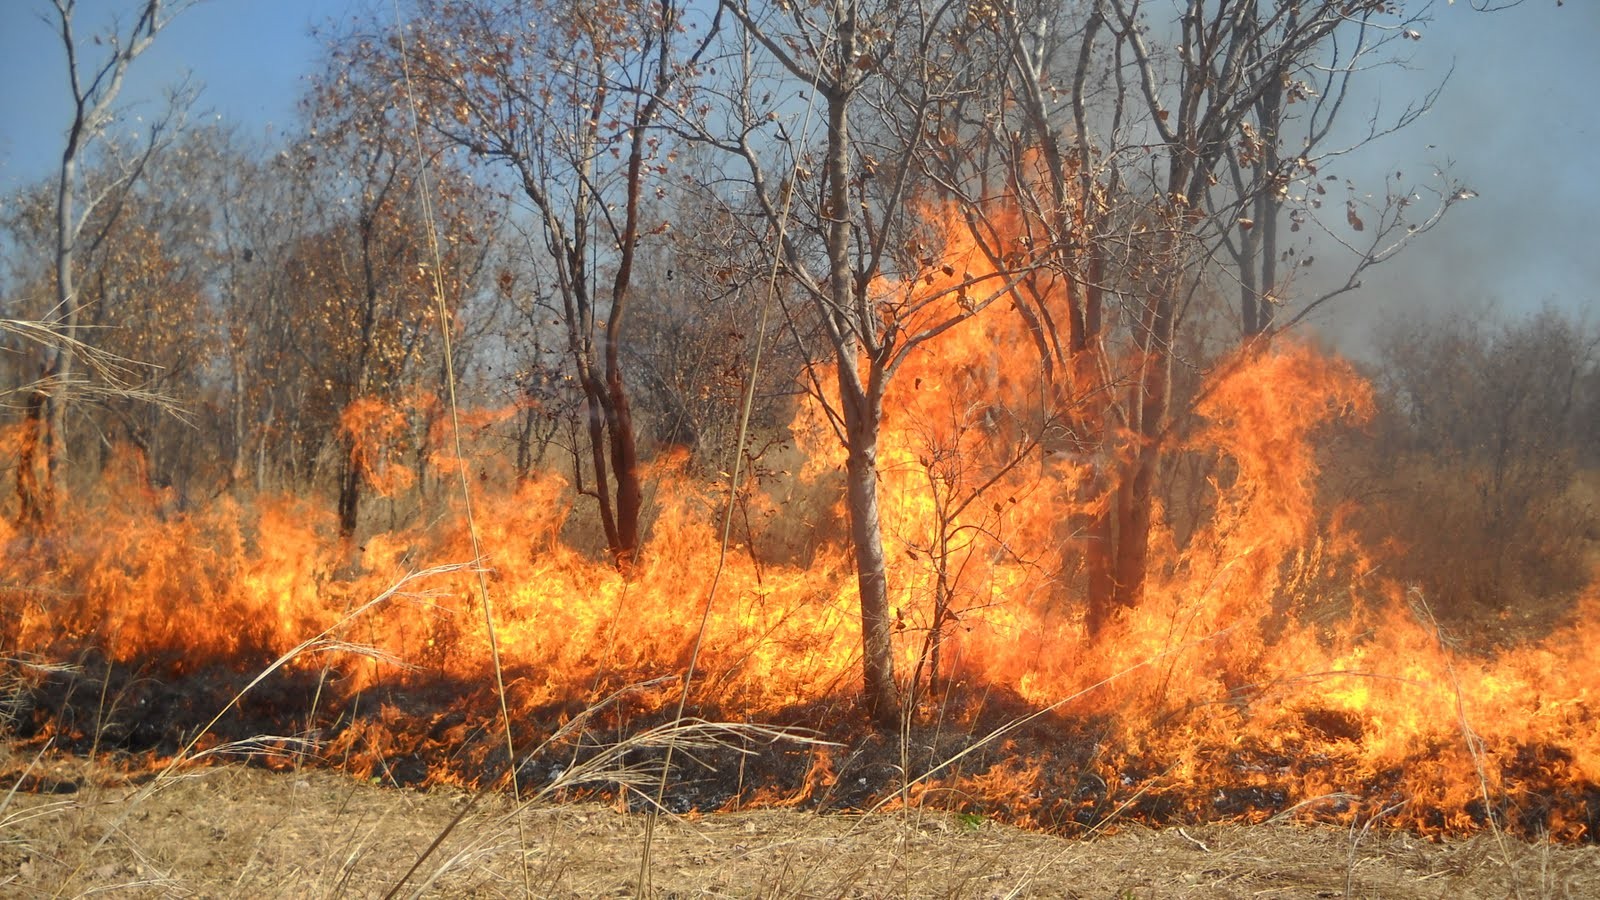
{"type": "Point", "coordinates": [983, 753]}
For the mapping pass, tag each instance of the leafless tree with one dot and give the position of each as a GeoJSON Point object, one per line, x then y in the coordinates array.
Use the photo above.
{"type": "Point", "coordinates": [1483, 434]}
{"type": "Point", "coordinates": [567, 100]}
{"type": "Point", "coordinates": [834, 203]}
{"type": "Point", "coordinates": [1138, 150]}
{"type": "Point", "coordinates": [94, 85]}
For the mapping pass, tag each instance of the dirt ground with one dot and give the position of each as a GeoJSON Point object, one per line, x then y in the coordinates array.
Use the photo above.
{"type": "Point", "coordinates": [70, 829]}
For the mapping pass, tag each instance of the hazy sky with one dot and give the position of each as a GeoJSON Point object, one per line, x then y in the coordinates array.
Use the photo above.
{"type": "Point", "coordinates": [1517, 122]}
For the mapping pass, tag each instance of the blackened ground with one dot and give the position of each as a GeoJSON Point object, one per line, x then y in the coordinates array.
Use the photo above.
{"type": "Point", "coordinates": [1053, 772]}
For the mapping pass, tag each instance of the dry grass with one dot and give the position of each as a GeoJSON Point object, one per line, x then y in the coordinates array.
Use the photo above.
{"type": "Point", "coordinates": [247, 833]}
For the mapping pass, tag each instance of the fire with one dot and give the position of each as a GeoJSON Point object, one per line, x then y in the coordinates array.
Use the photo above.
{"type": "Point", "coordinates": [1267, 666]}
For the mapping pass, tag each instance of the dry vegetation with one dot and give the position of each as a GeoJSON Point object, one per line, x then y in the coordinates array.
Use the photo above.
{"type": "Point", "coordinates": [243, 832]}
{"type": "Point", "coordinates": [1056, 518]}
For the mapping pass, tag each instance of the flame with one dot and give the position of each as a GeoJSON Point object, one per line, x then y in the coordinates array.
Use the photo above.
{"type": "Point", "coordinates": [372, 430]}
{"type": "Point", "coordinates": [1268, 664]}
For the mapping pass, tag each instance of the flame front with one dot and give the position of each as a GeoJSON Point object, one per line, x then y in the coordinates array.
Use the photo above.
{"type": "Point", "coordinates": [1266, 656]}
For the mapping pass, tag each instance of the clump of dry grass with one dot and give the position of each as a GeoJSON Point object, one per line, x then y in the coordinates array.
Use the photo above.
{"type": "Point", "coordinates": [20, 676]}
{"type": "Point", "coordinates": [232, 832]}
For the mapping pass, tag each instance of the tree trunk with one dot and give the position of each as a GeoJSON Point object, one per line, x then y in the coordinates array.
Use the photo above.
{"type": "Point", "coordinates": [46, 444]}
{"type": "Point", "coordinates": [1249, 289]}
{"type": "Point", "coordinates": [349, 493]}
{"type": "Point", "coordinates": [1100, 559]}
{"type": "Point", "coordinates": [1268, 205]}
{"type": "Point", "coordinates": [866, 536]}
{"type": "Point", "coordinates": [33, 464]}
{"type": "Point", "coordinates": [625, 468]}
{"type": "Point", "coordinates": [594, 409]}
{"type": "Point", "coordinates": [238, 430]}
{"type": "Point", "coordinates": [1133, 544]}
{"type": "Point", "coordinates": [525, 445]}
{"type": "Point", "coordinates": [849, 310]}
{"type": "Point", "coordinates": [1138, 507]}
{"type": "Point", "coordinates": [1100, 529]}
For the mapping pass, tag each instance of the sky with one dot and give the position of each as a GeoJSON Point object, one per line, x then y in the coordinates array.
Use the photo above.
{"type": "Point", "coordinates": [250, 58]}
{"type": "Point", "coordinates": [1517, 123]}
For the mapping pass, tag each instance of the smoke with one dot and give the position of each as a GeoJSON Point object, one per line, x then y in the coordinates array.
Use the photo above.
{"type": "Point", "coordinates": [1516, 124]}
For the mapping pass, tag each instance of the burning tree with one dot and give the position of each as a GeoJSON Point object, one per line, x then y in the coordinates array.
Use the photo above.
{"type": "Point", "coordinates": [838, 207]}
{"type": "Point", "coordinates": [1130, 152]}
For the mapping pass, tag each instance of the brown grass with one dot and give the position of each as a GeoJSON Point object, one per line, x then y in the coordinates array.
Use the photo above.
{"type": "Point", "coordinates": [247, 833]}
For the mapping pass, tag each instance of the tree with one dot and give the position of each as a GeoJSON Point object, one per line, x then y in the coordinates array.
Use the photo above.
{"type": "Point", "coordinates": [94, 87]}
{"type": "Point", "coordinates": [368, 273]}
{"type": "Point", "coordinates": [839, 213]}
{"type": "Point", "coordinates": [1483, 435]}
{"type": "Point", "coordinates": [261, 212]}
{"type": "Point", "coordinates": [1132, 151]}
{"type": "Point", "coordinates": [566, 99]}
{"type": "Point", "coordinates": [146, 295]}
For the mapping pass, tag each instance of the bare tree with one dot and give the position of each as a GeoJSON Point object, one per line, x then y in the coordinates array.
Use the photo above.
{"type": "Point", "coordinates": [567, 99]}
{"type": "Point", "coordinates": [837, 210]}
{"type": "Point", "coordinates": [1134, 152]}
{"type": "Point", "coordinates": [1483, 434]}
{"type": "Point", "coordinates": [369, 275]}
{"type": "Point", "coordinates": [94, 86]}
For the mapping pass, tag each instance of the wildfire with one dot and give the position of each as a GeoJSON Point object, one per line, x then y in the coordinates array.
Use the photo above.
{"type": "Point", "coordinates": [1267, 665]}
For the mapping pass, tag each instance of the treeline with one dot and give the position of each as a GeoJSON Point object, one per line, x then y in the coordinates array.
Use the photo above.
{"type": "Point", "coordinates": [1481, 481]}
{"type": "Point", "coordinates": [604, 211]}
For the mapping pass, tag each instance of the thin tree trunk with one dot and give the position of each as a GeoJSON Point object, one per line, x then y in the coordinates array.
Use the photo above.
{"type": "Point", "coordinates": [33, 474]}
{"type": "Point", "coordinates": [349, 492]}
{"type": "Point", "coordinates": [350, 475]}
{"type": "Point", "coordinates": [1100, 528]}
{"type": "Point", "coordinates": [1249, 289]}
{"type": "Point", "coordinates": [866, 536]}
{"type": "Point", "coordinates": [1100, 559]}
{"type": "Point", "coordinates": [238, 429]}
{"type": "Point", "coordinates": [1138, 510]}
{"type": "Point", "coordinates": [46, 445]}
{"type": "Point", "coordinates": [594, 409]}
{"type": "Point", "coordinates": [625, 468]}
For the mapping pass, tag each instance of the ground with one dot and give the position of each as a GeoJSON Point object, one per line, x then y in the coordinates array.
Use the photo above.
{"type": "Point", "coordinates": [72, 828]}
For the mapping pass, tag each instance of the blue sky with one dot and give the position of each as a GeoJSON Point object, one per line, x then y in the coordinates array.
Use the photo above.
{"type": "Point", "coordinates": [1518, 121]}
{"type": "Point", "coordinates": [250, 57]}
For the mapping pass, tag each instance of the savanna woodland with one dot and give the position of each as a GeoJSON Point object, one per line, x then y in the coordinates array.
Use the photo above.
{"type": "Point", "coordinates": [842, 404]}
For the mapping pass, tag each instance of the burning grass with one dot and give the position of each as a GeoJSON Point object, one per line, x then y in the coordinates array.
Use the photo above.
{"type": "Point", "coordinates": [982, 752]}
{"type": "Point", "coordinates": [1269, 672]}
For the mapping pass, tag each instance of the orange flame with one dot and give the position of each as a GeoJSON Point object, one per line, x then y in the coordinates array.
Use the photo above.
{"type": "Point", "coordinates": [1266, 656]}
